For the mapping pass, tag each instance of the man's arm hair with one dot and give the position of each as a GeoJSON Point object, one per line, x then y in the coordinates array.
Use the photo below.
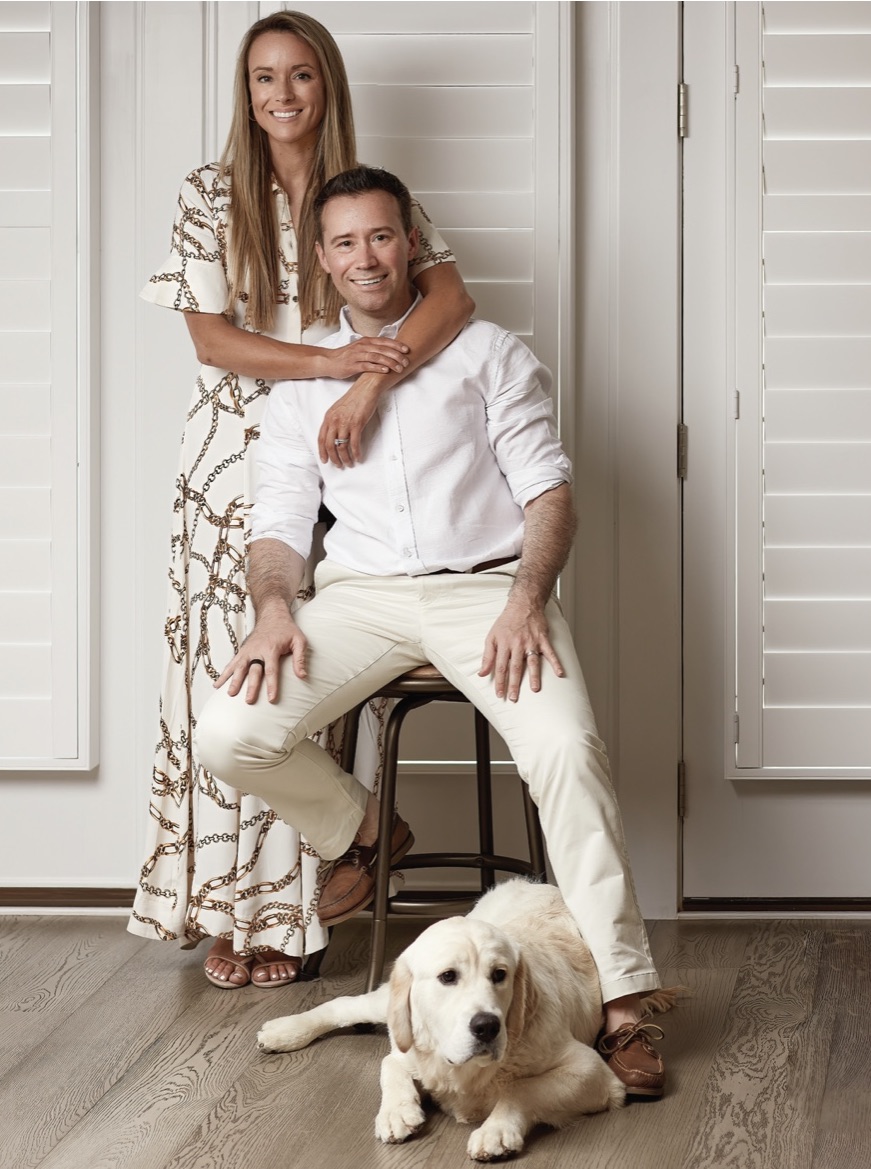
{"type": "Point", "coordinates": [548, 534]}
{"type": "Point", "coordinates": [275, 572]}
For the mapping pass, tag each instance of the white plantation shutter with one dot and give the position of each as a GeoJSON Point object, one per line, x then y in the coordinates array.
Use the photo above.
{"type": "Point", "coordinates": [45, 436]}
{"type": "Point", "coordinates": [804, 446]}
{"type": "Point", "coordinates": [460, 100]}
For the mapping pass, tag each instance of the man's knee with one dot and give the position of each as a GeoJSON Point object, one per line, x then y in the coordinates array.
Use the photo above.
{"type": "Point", "coordinates": [227, 741]}
{"type": "Point", "coordinates": [567, 754]}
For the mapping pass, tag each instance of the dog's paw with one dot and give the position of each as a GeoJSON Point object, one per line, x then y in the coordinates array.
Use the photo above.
{"type": "Point", "coordinates": [495, 1139]}
{"type": "Point", "coordinates": [285, 1034]}
{"type": "Point", "coordinates": [397, 1122]}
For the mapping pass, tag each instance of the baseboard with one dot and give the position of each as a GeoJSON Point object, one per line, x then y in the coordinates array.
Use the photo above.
{"type": "Point", "coordinates": [50, 898]}
{"type": "Point", "coordinates": [809, 906]}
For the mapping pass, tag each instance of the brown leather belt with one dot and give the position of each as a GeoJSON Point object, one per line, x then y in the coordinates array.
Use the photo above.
{"type": "Point", "coordinates": [482, 567]}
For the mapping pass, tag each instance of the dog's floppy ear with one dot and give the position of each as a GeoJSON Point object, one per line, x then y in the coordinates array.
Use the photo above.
{"type": "Point", "coordinates": [523, 1001]}
{"type": "Point", "coordinates": [399, 1005]}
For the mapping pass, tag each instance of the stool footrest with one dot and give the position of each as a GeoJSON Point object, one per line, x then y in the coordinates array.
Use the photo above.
{"type": "Point", "coordinates": [465, 860]}
{"type": "Point", "coordinates": [433, 902]}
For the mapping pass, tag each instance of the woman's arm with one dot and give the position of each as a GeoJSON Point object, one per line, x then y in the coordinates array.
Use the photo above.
{"type": "Point", "coordinates": [444, 311]}
{"type": "Point", "coordinates": [220, 343]}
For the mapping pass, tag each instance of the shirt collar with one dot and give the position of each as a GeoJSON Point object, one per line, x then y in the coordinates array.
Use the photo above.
{"type": "Point", "coordinates": [347, 330]}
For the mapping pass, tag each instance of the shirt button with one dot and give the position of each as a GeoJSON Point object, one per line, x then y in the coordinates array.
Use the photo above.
{"type": "Point", "coordinates": [406, 552]}
{"type": "Point", "coordinates": [400, 507]}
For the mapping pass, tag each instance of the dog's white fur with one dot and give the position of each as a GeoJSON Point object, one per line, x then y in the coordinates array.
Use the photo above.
{"type": "Point", "coordinates": [492, 1015]}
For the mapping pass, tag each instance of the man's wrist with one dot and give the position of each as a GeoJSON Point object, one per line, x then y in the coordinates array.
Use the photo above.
{"type": "Point", "coordinates": [272, 605]}
{"type": "Point", "coordinates": [533, 597]}
{"type": "Point", "coordinates": [373, 385]}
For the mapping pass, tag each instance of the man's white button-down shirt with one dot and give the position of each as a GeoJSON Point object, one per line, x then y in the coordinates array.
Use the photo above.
{"type": "Point", "coordinates": [451, 457]}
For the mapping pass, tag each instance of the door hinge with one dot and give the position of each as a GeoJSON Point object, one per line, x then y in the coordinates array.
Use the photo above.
{"type": "Point", "coordinates": [737, 404]}
{"type": "Point", "coordinates": [682, 450]}
{"type": "Point", "coordinates": [736, 726]}
{"type": "Point", "coordinates": [683, 126]}
{"type": "Point", "coordinates": [737, 83]}
{"type": "Point", "coordinates": [681, 789]}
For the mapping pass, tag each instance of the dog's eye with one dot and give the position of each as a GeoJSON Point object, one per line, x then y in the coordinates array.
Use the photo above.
{"type": "Point", "coordinates": [498, 976]}
{"type": "Point", "coordinates": [448, 977]}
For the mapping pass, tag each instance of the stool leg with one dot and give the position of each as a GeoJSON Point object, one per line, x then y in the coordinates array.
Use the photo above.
{"type": "Point", "coordinates": [349, 741]}
{"type": "Point", "coordinates": [387, 795]}
{"type": "Point", "coordinates": [485, 798]}
{"type": "Point", "coordinates": [534, 836]}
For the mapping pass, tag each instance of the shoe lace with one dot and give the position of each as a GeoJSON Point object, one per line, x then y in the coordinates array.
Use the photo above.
{"type": "Point", "coordinates": [626, 1034]}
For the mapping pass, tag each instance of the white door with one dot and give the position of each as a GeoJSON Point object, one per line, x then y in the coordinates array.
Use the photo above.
{"type": "Point", "coordinates": [777, 497]}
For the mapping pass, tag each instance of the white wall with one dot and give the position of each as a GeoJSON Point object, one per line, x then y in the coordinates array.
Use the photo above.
{"type": "Point", "coordinates": [87, 830]}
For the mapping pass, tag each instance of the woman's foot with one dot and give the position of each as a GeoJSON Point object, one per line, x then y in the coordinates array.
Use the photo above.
{"type": "Point", "coordinates": [225, 968]}
{"type": "Point", "coordinates": [271, 968]}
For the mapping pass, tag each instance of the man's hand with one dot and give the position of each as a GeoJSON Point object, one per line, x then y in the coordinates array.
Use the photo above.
{"type": "Point", "coordinates": [345, 421]}
{"type": "Point", "coordinates": [341, 433]}
{"type": "Point", "coordinates": [275, 635]}
{"type": "Point", "coordinates": [515, 646]}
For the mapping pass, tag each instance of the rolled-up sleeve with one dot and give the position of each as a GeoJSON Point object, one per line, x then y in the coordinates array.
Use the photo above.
{"type": "Point", "coordinates": [288, 482]}
{"type": "Point", "coordinates": [520, 422]}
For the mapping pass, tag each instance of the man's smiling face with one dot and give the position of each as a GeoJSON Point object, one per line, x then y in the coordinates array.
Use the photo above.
{"type": "Point", "coordinates": [366, 251]}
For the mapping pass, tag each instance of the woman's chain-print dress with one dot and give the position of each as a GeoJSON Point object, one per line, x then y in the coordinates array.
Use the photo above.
{"type": "Point", "coordinates": [220, 862]}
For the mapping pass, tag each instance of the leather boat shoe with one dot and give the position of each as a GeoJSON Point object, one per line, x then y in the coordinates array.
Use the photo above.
{"type": "Point", "coordinates": [634, 1060]}
{"type": "Point", "coordinates": [349, 881]}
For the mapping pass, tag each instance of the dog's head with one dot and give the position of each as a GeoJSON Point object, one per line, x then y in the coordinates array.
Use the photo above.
{"type": "Point", "coordinates": [451, 992]}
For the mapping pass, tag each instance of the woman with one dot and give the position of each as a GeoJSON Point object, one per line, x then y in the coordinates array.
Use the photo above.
{"type": "Point", "coordinates": [244, 271]}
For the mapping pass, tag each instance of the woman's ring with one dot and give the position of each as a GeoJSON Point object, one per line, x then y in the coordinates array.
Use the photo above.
{"type": "Point", "coordinates": [257, 662]}
{"type": "Point", "coordinates": [340, 441]}
{"type": "Point", "coordinates": [533, 653]}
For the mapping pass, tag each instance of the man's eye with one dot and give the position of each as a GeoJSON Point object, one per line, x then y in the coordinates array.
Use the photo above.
{"type": "Point", "coordinates": [448, 977]}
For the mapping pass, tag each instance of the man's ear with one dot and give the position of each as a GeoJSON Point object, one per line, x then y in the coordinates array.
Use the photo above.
{"type": "Point", "coordinates": [322, 257]}
{"type": "Point", "coordinates": [413, 241]}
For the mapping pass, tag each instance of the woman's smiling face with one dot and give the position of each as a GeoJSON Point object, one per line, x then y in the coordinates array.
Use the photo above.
{"type": "Point", "coordinates": [288, 95]}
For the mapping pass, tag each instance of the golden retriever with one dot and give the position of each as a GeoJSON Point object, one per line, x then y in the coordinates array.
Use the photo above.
{"type": "Point", "coordinates": [492, 1015]}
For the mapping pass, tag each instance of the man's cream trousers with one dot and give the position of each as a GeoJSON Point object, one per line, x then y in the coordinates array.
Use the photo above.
{"type": "Point", "coordinates": [363, 631]}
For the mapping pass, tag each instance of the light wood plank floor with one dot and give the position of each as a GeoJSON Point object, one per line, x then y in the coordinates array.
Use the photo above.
{"type": "Point", "coordinates": [115, 1051]}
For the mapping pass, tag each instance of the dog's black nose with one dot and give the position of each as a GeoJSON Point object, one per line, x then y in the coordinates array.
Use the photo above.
{"type": "Point", "coordinates": [485, 1026]}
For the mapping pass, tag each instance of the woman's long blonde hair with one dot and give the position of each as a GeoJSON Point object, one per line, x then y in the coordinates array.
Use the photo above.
{"type": "Point", "coordinates": [254, 252]}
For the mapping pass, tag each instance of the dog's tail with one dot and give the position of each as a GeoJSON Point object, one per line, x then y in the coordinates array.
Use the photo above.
{"type": "Point", "coordinates": [657, 1001]}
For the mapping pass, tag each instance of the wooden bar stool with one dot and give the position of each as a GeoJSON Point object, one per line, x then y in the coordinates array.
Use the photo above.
{"type": "Point", "coordinates": [414, 689]}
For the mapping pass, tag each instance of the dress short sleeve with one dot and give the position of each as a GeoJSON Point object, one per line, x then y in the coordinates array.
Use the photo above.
{"type": "Point", "coordinates": [194, 277]}
{"type": "Point", "coordinates": [432, 249]}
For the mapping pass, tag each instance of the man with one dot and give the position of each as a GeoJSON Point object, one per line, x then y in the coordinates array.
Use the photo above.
{"type": "Point", "coordinates": [448, 540]}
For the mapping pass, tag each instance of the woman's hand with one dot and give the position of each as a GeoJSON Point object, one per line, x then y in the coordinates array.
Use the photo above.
{"type": "Point", "coordinates": [259, 658]}
{"type": "Point", "coordinates": [366, 355]}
